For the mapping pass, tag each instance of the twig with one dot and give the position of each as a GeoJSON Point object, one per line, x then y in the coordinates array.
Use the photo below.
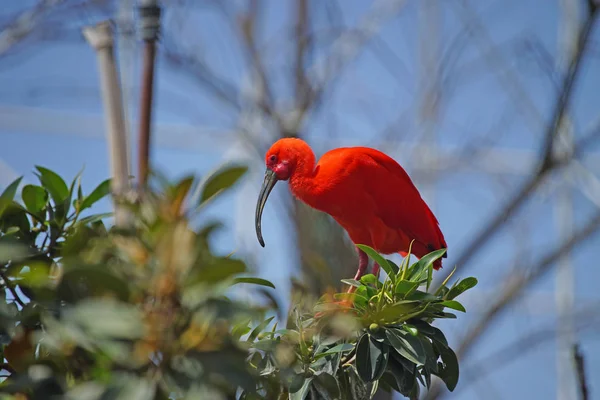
{"type": "Point", "coordinates": [11, 288]}
{"type": "Point", "coordinates": [547, 164]}
{"type": "Point", "coordinates": [587, 319]}
{"type": "Point", "coordinates": [24, 24]}
{"type": "Point", "coordinates": [266, 100]}
{"type": "Point", "coordinates": [580, 372]}
{"type": "Point", "coordinates": [515, 288]}
{"type": "Point", "coordinates": [302, 85]}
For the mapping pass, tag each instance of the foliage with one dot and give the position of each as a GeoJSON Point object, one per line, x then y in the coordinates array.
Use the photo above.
{"type": "Point", "coordinates": [151, 311]}
{"type": "Point", "coordinates": [380, 336]}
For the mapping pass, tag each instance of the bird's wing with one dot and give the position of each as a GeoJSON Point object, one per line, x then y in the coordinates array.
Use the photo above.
{"type": "Point", "coordinates": [398, 202]}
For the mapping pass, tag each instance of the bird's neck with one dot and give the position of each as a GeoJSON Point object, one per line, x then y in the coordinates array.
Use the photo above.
{"type": "Point", "coordinates": [303, 180]}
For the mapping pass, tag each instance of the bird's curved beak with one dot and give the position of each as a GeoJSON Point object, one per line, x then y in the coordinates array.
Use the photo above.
{"type": "Point", "coordinates": [265, 190]}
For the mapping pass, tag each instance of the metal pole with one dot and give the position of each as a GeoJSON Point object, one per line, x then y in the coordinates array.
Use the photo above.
{"type": "Point", "coordinates": [568, 36]}
{"type": "Point", "coordinates": [149, 30]}
{"type": "Point", "coordinates": [100, 37]}
{"type": "Point", "coordinates": [429, 93]}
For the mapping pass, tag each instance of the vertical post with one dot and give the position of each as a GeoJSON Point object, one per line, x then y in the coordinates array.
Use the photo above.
{"type": "Point", "coordinates": [149, 29]}
{"type": "Point", "coordinates": [429, 92]}
{"type": "Point", "coordinates": [568, 36]}
{"type": "Point", "coordinates": [100, 37]}
{"type": "Point", "coordinates": [126, 53]}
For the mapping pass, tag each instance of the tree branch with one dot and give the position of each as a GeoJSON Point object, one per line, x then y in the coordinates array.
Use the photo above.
{"type": "Point", "coordinates": [547, 164]}
{"type": "Point", "coordinates": [11, 288]}
{"type": "Point", "coordinates": [518, 282]}
{"type": "Point", "coordinates": [580, 372]}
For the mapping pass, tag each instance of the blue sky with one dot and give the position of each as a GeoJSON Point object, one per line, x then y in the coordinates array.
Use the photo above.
{"type": "Point", "coordinates": [379, 87]}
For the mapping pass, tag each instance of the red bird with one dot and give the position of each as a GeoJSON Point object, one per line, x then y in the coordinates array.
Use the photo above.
{"type": "Point", "coordinates": [367, 192]}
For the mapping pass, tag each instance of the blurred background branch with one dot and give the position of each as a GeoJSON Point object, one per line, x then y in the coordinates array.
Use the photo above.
{"type": "Point", "coordinates": [496, 126]}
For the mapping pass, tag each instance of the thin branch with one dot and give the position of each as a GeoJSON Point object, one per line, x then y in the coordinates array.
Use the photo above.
{"type": "Point", "coordinates": [587, 318]}
{"type": "Point", "coordinates": [560, 108]}
{"type": "Point", "coordinates": [24, 24]}
{"type": "Point", "coordinates": [497, 62]}
{"type": "Point", "coordinates": [547, 165]}
{"type": "Point", "coordinates": [11, 288]}
{"type": "Point", "coordinates": [303, 87]}
{"type": "Point", "coordinates": [580, 372]}
{"type": "Point", "coordinates": [248, 24]}
{"type": "Point", "coordinates": [206, 77]}
{"type": "Point", "coordinates": [518, 282]}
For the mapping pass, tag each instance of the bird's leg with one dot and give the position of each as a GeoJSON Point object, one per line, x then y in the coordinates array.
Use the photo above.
{"type": "Point", "coordinates": [376, 269]}
{"type": "Point", "coordinates": [363, 263]}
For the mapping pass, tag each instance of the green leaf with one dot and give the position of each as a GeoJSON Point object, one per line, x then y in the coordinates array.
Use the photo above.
{"type": "Point", "coordinates": [407, 346]}
{"type": "Point", "coordinates": [352, 282]}
{"type": "Point", "coordinates": [67, 201]}
{"type": "Point", "coordinates": [421, 267]}
{"type": "Point", "coordinates": [221, 180]}
{"type": "Point", "coordinates": [340, 348]}
{"type": "Point", "coordinates": [254, 281]}
{"type": "Point", "coordinates": [422, 296]}
{"type": "Point", "coordinates": [431, 331]}
{"type": "Point", "coordinates": [371, 358]}
{"type": "Point", "coordinates": [240, 329]}
{"type": "Point", "coordinates": [397, 310]}
{"type": "Point", "coordinates": [450, 369]}
{"type": "Point", "coordinates": [8, 194]}
{"type": "Point", "coordinates": [394, 267]}
{"type": "Point", "coordinates": [259, 328]}
{"type": "Point", "coordinates": [53, 183]}
{"type": "Point", "coordinates": [462, 286]}
{"type": "Point", "coordinates": [399, 378]}
{"type": "Point", "coordinates": [265, 344]}
{"type": "Point", "coordinates": [326, 386]}
{"type": "Point", "coordinates": [11, 190]}
{"type": "Point", "coordinates": [107, 318]}
{"type": "Point", "coordinates": [35, 198]}
{"type": "Point", "coordinates": [12, 250]}
{"type": "Point", "coordinates": [405, 288]}
{"type": "Point", "coordinates": [410, 329]}
{"type": "Point", "coordinates": [220, 269]}
{"type": "Point", "coordinates": [369, 278]}
{"type": "Point", "coordinates": [375, 256]}
{"type": "Point", "coordinates": [454, 305]}
{"type": "Point", "coordinates": [85, 281]}
{"type": "Point", "coordinates": [101, 191]}
{"type": "Point", "coordinates": [91, 219]}
{"type": "Point", "coordinates": [293, 381]}
{"type": "Point", "coordinates": [301, 394]}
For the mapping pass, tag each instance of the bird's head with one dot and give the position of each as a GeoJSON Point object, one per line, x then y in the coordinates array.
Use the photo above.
{"type": "Point", "coordinates": [282, 160]}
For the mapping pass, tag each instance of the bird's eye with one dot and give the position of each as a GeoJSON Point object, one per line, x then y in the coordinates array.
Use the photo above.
{"type": "Point", "coordinates": [273, 158]}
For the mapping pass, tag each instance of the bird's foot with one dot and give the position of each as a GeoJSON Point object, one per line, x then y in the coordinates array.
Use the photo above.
{"type": "Point", "coordinates": [363, 263]}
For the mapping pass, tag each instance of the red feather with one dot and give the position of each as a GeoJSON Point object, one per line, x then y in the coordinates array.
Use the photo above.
{"type": "Point", "coordinates": [368, 193]}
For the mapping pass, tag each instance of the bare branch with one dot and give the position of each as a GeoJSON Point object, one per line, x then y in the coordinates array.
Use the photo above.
{"type": "Point", "coordinates": [206, 77]}
{"type": "Point", "coordinates": [303, 88]}
{"type": "Point", "coordinates": [587, 319]}
{"type": "Point", "coordinates": [23, 25]}
{"type": "Point", "coordinates": [518, 282]}
{"type": "Point", "coordinates": [248, 24]}
{"type": "Point", "coordinates": [547, 165]}
{"type": "Point", "coordinates": [580, 370]}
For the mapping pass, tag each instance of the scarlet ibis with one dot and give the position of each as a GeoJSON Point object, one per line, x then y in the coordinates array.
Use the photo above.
{"type": "Point", "coordinates": [367, 192]}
